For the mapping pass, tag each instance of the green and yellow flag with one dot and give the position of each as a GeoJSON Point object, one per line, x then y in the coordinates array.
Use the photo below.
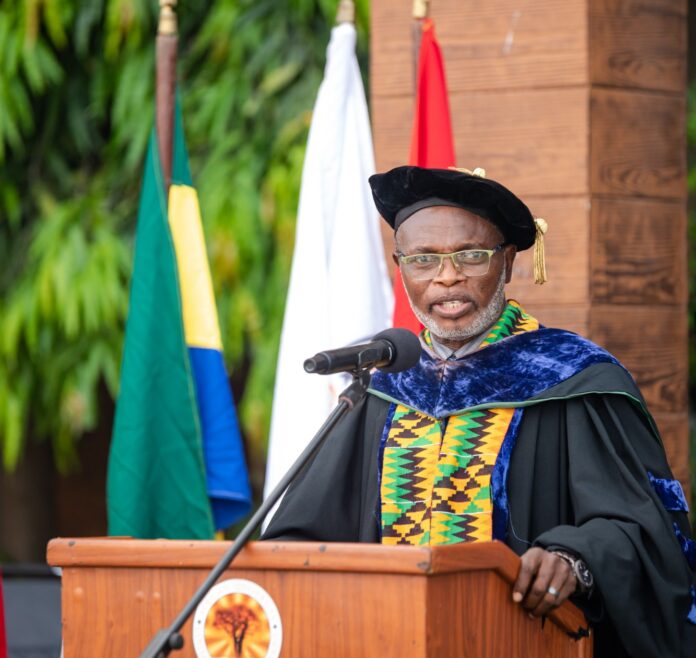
{"type": "Point", "coordinates": [176, 467]}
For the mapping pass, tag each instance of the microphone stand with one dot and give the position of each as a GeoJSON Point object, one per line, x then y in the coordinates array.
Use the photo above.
{"type": "Point", "coordinates": [170, 639]}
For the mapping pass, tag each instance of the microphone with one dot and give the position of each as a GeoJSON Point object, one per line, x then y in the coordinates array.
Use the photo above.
{"type": "Point", "coordinates": [392, 350]}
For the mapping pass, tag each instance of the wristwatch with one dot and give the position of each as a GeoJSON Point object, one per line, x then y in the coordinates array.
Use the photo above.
{"type": "Point", "coordinates": [583, 575]}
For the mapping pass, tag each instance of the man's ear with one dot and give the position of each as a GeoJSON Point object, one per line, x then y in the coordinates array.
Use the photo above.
{"type": "Point", "coordinates": [510, 253]}
{"type": "Point", "coordinates": [395, 258]}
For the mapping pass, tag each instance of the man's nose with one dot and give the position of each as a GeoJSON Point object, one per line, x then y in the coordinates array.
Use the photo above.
{"type": "Point", "coordinates": [448, 273]}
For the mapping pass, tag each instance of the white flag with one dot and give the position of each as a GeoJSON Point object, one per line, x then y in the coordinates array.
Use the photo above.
{"type": "Point", "coordinates": [339, 290]}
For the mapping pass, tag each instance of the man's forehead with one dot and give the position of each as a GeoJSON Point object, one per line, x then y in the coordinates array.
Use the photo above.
{"type": "Point", "coordinates": [438, 223]}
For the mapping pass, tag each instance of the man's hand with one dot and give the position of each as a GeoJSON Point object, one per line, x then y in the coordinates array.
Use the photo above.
{"type": "Point", "coordinates": [543, 583]}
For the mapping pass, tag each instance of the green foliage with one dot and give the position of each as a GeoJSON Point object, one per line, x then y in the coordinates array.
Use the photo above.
{"type": "Point", "coordinates": [76, 108]}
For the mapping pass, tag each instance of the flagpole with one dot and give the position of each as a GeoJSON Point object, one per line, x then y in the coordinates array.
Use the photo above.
{"type": "Point", "coordinates": [167, 41]}
{"type": "Point", "coordinates": [420, 13]}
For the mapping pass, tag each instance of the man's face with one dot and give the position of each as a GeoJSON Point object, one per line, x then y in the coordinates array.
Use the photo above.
{"type": "Point", "coordinates": [454, 306]}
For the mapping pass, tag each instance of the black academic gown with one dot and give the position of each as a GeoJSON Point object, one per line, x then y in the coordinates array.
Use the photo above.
{"type": "Point", "coordinates": [577, 479]}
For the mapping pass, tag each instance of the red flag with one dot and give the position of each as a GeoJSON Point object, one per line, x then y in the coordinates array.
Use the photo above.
{"type": "Point", "coordinates": [432, 144]}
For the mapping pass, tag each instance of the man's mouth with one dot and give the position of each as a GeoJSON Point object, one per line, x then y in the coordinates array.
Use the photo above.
{"type": "Point", "coordinates": [452, 308]}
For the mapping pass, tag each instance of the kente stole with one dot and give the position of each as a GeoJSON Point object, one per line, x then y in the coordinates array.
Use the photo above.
{"type": "Point", "coordinates": [435, 484]}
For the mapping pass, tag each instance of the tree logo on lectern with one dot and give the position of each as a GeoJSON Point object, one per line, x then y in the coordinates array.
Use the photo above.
{"type": "Point", "coordinates": [237, 619]}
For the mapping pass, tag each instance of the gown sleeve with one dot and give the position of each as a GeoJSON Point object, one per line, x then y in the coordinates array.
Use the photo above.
{"type": "Point", "coordinates": [619, 524]}
{"type": "Point", "coordinates": [334, 496]}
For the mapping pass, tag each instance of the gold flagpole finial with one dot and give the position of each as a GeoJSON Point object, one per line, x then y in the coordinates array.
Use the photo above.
{"type": "Point", "coordinates": [346, 12]}
{"type": "Point", "coordinates": [167, 17]}
{"type": "Point", "coordinates": [420, 8]}
{"type": "Point", "coordinates": [539, 256]}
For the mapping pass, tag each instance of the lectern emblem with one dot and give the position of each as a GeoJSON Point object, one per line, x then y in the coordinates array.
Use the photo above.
{"type": "Point", "coordinates": [237, 619]}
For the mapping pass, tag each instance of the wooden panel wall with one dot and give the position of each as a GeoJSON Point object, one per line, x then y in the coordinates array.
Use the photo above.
{"type": "Point", "coordinates": [578, 106]}
{"type": "Point", "coordinates": [637, 174]}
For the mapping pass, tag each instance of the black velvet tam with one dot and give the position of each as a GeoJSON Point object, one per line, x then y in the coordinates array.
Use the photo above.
{"type": "Point", "coordinates": [403, 191]}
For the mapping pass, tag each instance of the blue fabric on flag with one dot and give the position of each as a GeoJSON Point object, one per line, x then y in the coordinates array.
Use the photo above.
{"type": "Point", "coordinates": [227, 479]}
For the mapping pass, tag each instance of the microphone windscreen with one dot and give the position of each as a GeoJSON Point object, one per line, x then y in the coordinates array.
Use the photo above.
{"type": "Point", "coordinates": [407, 349]}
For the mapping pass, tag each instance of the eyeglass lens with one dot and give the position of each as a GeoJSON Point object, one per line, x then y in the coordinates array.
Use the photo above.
{"type": "Point", "coordinates": [470, 262]}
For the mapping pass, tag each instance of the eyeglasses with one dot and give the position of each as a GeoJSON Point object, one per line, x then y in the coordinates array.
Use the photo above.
{"type": "Point", "coordinates": [469, 262]}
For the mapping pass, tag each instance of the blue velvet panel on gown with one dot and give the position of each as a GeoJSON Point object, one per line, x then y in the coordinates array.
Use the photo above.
{"type": "Point", "coordinates": [512, 370]}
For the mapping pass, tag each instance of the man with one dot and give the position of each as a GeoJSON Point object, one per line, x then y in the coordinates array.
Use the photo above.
{"type": "Point", "coordinates": [506, 430]}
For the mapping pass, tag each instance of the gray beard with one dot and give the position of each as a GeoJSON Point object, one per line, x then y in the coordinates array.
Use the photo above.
{"type": "Point", "coordinates": [483, 317]}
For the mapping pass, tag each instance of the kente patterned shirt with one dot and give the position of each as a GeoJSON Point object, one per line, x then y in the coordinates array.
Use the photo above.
{"type": "Point", "coordinates": [436, 473]}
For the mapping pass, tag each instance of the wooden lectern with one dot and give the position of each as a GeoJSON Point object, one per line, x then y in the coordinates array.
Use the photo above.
{"type": "Point", "coordinates": [334, 600]}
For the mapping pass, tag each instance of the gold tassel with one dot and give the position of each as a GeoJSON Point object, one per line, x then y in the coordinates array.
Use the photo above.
{"type": "Point", "coordinates": [539, 256]}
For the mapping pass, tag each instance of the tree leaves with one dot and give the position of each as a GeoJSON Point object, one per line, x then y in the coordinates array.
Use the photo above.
{"type": "Point", "coordinates": [76, 108]}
